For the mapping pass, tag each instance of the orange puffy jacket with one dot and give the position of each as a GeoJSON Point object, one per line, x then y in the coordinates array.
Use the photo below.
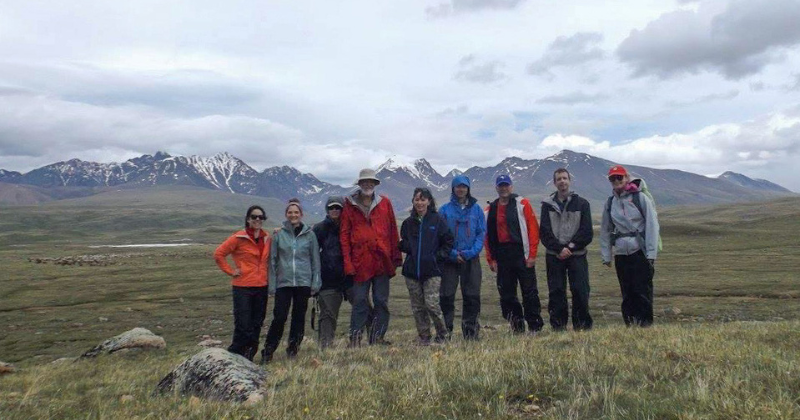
{"type": "Point", "coordinates": [252, 265]}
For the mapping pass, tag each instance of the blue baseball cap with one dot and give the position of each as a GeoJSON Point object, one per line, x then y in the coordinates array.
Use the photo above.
{"type": "Point", "coordinates": [503, 179]}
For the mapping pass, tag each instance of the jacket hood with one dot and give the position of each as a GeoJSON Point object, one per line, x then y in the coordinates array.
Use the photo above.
{"type": "Point", "coordinates": [458, 180]}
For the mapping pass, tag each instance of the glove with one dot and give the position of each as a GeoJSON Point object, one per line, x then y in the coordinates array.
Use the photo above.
{"type": "Point", "coordinates": [607, 263]}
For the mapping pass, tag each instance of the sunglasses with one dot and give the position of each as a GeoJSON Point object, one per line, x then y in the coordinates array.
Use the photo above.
{"type": "Point", "coordinates": [613, 178]}
{"type": "Point", "coordinates": [334, 207]}
{"type": "Point", "coordinates": [258, 217]}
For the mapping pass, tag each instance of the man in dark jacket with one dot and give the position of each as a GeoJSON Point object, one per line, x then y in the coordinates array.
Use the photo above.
{"type": "Point", "coordinates": [565, 231]}
{"type": "Point", "coordinates": [467, 222]}
{"type": "Point", "coordinates": [335, 285]}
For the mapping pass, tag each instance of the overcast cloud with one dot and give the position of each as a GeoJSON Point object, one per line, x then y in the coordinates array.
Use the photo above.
{"type": "Point", "coordinates": [736, 38]}
{"type": "Point", "coordinates": [705, 86]}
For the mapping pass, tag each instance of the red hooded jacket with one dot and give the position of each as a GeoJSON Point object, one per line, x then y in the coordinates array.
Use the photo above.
{"type": "Point", "coordinates": [369, 244]}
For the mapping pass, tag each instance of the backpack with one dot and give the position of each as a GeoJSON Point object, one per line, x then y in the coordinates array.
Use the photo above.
{"type": "Point", "coordinates": [637, 201]}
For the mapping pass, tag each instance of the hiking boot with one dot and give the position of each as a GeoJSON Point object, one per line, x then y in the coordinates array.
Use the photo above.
{"type": "Point", "coordinates": [355, 341]}
{"type": "Point", "coordinates": [423, 341]}
{"type": "Point", "coordinates": [265, 357]}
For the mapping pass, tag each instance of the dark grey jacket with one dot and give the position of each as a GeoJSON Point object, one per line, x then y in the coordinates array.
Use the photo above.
{"type": "Point", "coordinates": [573, 225]}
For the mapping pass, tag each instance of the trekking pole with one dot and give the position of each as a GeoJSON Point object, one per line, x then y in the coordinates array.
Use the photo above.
{"type": "Point", "coordinates": [314, 312]}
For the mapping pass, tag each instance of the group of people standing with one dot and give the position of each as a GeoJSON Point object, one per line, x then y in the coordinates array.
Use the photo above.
{"type": "Point", "coordinates": [356, 250]}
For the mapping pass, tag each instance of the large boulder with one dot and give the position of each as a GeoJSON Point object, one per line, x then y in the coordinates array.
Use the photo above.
{"type": "Point", "coordinates": [216, 374]}
{"type": "Point", "coordinates": [137, 338]}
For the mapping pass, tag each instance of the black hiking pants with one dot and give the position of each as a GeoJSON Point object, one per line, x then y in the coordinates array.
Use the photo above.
{"type": "Point", "coordinates": [249, 310]}
{"type": "Point", "coordinates": [576, 268]}
{"type": "Point", "coordinates": [297, 299]}
{"type": "Point", "coordinates": [511, 270]}
{"type": "Point", "coordinates": [636, 283]}
{"type": "Point", "coordinates": [469, 275]}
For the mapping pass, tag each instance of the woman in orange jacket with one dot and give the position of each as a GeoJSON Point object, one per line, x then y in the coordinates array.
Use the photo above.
{"type": "Point", "coordinates": [250, 250]}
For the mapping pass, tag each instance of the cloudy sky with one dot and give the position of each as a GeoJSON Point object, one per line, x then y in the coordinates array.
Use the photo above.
{"type": "Point", "coordinates": [330, 87]}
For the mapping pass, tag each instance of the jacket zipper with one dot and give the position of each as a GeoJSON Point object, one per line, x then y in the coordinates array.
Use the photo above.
{"type": "Point", "coordinates": [419, 250]}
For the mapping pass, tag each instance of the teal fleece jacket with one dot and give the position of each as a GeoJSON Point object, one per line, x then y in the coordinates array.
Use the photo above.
{"type": "Point", "coordinates": [294, 260]}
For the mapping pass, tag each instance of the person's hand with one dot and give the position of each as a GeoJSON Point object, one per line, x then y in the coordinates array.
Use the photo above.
{"type": "Point", "coordinates": [460, 259]}
{"type": "Point", "coordinates": [236, 273]}
{"type": "Point", "coordinates": [530, 262]}
{"type": "Point", "coordinates": [493, 266]}
{"type": "Point", "coordinates": [607, 263]}
{"type": "Point", "coordinates": [565, 253]}
{"type": "Point", "coordinates": [652, 263]}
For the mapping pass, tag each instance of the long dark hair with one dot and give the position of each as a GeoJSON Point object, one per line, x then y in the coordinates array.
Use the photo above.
{"type": "Point", "coordinates": [424, 193]}
{"type": "Point", "coordinates": [250, 210]}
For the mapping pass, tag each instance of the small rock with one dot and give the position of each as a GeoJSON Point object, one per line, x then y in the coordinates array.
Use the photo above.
{"type": "Point", "coordinates": [216, 374]}
{"type": "Point", "coordinates": [128, 309]}
{"type": "Point", "coordinates": [210, 343]}
{"type": "Point", "coordinates": [159, 327]}
{"type": "Point", "coordinates": [77, 324]}
{"type": "Point", "coordinates": [672, 311]}
{"type": "Point", "coordinates": [216, 321]}
{"type": "Point", "coordinates": [102, 319]}
{"type": "Point", "coordinates": [7, 368]}
{"type": "Point", "coordinates": [531, 408]}
{"type": "Point", "coordinates": [181, 300]}
{"type": "Point", "coordinates": [126, 399]}
{"type": "Point", "coordinates": [137, 338]}
{"type": "Point", "coordinates": [63, 360]}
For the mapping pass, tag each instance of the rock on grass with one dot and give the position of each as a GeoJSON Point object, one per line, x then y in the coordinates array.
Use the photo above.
{"type": "Point", "coordinates": [216, 374]}
{"type": "Point", "coordinates": [7, 368]}
{"type": "Point", "coordinates": [137, 338]}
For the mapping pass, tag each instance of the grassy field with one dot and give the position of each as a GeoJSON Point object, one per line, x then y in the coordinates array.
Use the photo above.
{"type": "Point", "coordinates": [724, 345]}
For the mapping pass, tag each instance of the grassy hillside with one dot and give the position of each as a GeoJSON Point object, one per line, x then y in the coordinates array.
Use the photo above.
{"type": "Point", "coordinates": [740, 370]}
{"type": "Point", "coordinates": [727, 304]}
{"type": "Point", "coordinates": [131, 215]}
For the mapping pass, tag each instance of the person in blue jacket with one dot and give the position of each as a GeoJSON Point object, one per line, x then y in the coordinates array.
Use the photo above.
{"type": "Point", "coordinates": [466, 221]}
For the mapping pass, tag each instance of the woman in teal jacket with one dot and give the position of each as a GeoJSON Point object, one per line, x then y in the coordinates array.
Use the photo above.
{"type": "Point", "coordinates": [294, 277]}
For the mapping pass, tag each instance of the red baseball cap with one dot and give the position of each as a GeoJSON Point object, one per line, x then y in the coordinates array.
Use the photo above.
{"type": "Point", "coordinates": [617, 170]}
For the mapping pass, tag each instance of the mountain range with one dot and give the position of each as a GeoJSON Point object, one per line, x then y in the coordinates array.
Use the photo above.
{"type": "Point", "coordinates": [224, 172]}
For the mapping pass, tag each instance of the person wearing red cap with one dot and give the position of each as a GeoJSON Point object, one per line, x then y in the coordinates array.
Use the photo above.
{"type": "Point", "coordinates": [630, 229]}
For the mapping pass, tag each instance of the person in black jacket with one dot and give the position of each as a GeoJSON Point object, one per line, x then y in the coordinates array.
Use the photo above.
{"type": "Point", "coordinates": [335, 285]}
{"type": "Point", "coordinates": [565, 231]}
{"type": "Point", "coordinates": [426, 240]}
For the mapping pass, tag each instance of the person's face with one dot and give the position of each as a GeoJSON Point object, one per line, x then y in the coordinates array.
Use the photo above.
{"type": "Point", "coordinates": [618, 182]}
{"type": "Point", "coordinates": [461, 191]}
{"type": "Point", "coordinates": [293, 215]}
{"type": "Point", "coordinates": [562, 182]}
{"type": "Point", "coordinates": [367, 186]}
{"type": "Point", "coordinates": [256, 219]}
{"type": "Point", "coordinates": [334, 212]}
{"type": "Point", "coordinates": [504, 190]}
{"type": "Point", "coordinates": [421, 203]}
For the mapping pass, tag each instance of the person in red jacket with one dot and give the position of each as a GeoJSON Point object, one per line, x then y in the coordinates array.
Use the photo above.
{"type": "Point", "coordinates": [250, 249]}
{"type": "Point", "coordinates": [512, 239]}
{"type": "Point", "coordinates": [369, 240]}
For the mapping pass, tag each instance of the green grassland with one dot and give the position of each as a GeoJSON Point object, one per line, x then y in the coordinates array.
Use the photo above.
{"type": "Point", "coordinates": [724, 344]}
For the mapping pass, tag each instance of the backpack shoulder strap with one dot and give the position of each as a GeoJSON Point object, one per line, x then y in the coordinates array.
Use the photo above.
{"type": "Point", "coordinates": [637, 201]}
